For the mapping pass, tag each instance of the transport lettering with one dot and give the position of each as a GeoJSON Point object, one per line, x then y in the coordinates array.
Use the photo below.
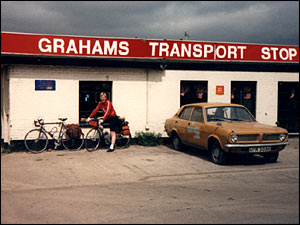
{"type": "Point", "coordinates": [203, 51]}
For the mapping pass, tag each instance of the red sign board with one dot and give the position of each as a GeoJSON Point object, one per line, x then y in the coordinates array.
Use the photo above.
{"type": "Point", "coordinates": [61, 45]}
{"type": "Point", "coordinates": [219, 90]}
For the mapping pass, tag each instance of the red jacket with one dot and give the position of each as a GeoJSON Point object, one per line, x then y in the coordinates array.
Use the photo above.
{"type": "Point", "coordinates": [107, 108]}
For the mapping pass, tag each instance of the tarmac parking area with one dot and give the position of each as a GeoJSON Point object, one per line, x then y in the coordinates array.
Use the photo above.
{"type": "Point", "coordinates": [148, 185]}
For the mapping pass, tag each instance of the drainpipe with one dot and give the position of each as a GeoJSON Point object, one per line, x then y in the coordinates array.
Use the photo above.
{"type": "Point", "coordinates": [5, 125]}
{"type": "Point", "coordinates": [147, 128]}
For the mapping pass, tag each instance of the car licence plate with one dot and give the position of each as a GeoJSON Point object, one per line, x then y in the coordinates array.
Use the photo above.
{"type": "Point", "coordinates": [260, 149]}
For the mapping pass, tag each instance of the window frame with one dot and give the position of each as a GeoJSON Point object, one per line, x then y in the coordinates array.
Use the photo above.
{"type": "Point", "coordinates": [198, 121]}
{"type": "Point", "coordinates": [193, 87]}
{"type": "Point", "coordinates": [182, 112]}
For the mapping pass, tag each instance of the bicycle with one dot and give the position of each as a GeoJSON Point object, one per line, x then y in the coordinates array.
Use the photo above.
{"type": "Point", "coordinates": [36, 140]}
{"type": "Point", "coordinates": [96, 135]}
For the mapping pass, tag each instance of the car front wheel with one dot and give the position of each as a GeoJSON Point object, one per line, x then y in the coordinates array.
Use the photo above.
{"type": "Point", "coordinates": [271, 157]}
{"type": "Point", "coordinates": [217, 154]}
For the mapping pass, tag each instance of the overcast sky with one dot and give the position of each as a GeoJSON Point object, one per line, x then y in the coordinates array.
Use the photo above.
{"type": "Point", "coordinates": [269, 22]}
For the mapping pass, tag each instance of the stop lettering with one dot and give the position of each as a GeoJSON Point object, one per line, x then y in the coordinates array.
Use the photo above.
{"type": "Point", "coordinates": [275, 53]}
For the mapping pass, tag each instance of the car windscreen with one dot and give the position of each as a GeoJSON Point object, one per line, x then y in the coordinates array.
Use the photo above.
{"type": "Point", "coordinates": [228, 113]}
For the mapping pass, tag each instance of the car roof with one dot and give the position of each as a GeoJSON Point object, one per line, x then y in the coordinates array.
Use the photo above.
{"type": "Point", "coordinates": [212, 104]}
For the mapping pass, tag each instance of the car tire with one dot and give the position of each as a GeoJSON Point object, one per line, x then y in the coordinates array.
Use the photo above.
{"type": "Point", "coordinates": [271, 157]}
{"type": "Point", "coordinates": [176, 142]}
{"type": "Point", "coordinates": [218, 156]}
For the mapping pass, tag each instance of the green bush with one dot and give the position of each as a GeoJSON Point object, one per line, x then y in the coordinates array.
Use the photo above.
{"type": "Point", "coordinates": [5, 151]}
{"type": "Point", "coordinates": [148, 138]}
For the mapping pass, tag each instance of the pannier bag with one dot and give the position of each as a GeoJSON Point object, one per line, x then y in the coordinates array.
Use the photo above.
{"type": "Point", "coordinates": [93, 123]}
{"type": "Point", "coordinates": [120, 122]}
{"type": "Point", "coordinates": [125, 130]}
{"type": "Point", "coordinates": [73, 130]}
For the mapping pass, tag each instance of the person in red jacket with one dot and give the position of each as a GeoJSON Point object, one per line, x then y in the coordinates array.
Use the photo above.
{"type": "Point", "coordinates": [110, 116]}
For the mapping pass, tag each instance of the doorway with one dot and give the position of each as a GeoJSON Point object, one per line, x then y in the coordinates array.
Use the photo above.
{"type": "Point", "coordinates": [244, 93]}
{"type": "Point", "coordinates": [288, 106]}
{"type": "Point", "coordinates": [89, 96]}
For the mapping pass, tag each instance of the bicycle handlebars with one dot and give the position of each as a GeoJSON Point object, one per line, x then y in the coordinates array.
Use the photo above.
{"type": "Point", "coordinates": [40, 122]}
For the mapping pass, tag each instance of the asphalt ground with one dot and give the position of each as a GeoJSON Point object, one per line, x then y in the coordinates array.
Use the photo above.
{"type": "Point", "coordinates": [148, 185]}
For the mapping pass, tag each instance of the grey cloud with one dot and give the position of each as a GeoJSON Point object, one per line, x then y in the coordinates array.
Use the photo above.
{"type": "Point", "coordinates": [252, 22]}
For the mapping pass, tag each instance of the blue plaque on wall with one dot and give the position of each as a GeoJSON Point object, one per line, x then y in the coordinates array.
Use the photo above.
{"type": "Point", "coordinates": [45, 85]}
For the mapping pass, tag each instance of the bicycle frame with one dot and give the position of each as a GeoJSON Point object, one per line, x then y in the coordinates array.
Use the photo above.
{"type": "Point", "coordinates": [104, 136]}
{"type": "Point", "coordinates": [101, 130]}
{"type": "Point", "coordinates": [37, 140]}
{"type": "Point", "coordinates": [57, 141]}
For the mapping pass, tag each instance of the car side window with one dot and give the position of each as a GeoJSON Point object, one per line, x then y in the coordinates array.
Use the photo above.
{"type": "Point", "coordinates": [185, 114]}
{"type": "Point", "coordinates": [197, 115]}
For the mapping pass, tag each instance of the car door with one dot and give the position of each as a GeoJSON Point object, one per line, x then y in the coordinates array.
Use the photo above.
{"type": "Point", "coordinates": [182, 123]}
{"type": "Point", "coordinates": [195, 127]}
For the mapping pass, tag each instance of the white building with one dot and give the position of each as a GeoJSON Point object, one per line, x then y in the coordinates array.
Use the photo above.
{"type": "Point", "coordinates": [146, 79]}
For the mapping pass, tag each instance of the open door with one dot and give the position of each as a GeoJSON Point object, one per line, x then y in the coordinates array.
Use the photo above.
{"type": "Point", "coordinates": [288, 106]}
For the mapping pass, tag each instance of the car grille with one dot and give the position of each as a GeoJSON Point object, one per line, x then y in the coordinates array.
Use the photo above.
{"type": "Point", "coordinates": [271, 137]}
{"type": "Point", "coordinates": [252, 137]}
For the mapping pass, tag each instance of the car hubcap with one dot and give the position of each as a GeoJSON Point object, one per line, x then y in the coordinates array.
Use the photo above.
{"type": "Point", "coordinates": [175, 142]}
{"type": "Point", "coordinates": [216, 154]}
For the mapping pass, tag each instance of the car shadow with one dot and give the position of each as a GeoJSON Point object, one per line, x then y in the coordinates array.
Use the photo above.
{"type": "Point", "coordinates": [232, 159]}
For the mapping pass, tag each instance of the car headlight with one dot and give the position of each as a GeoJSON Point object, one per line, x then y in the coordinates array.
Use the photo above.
{"type": "Point", "coordinates": [234, 138]}
{"type": "Point", "coordinates": [282, 137]}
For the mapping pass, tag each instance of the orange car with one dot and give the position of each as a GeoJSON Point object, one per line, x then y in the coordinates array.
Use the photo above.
{"type": "Point", "coordinates": [224, 128]}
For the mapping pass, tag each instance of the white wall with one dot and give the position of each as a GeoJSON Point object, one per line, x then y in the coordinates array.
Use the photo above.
{"type": "Point", "coordinates": [145, 98]}
{"type": "Point", "coordinates": [166, 94]}
{"type": "Point", "coordinates": [26, 104]}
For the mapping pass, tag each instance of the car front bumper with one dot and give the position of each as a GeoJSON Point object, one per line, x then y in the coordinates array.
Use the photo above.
{"type": "Point", "coordinates": [256, 148]}
{"type": "Point", "coordinates": [256, 145]}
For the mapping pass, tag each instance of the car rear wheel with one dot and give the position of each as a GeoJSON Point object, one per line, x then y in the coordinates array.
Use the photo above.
{"type": "Point", "coordinates": [218, 156]}
{"type": "Point", "coordinates": [176, 142]}
{"type": "Point", "coordinates": [271, 157]}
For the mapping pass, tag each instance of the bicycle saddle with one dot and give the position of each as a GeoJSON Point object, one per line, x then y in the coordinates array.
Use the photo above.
{"type": "Point", "coordinates": [63, 119]}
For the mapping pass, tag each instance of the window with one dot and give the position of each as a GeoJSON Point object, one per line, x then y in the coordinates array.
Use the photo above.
{"type": "Point", "coordinates": [89, 96]}
{"type": "Point", "coordinates": [193, 92]}
{"type": "Point", "coordinates": [185, 114]}
{"type": "Point", "coordinates": [228, 113]}
{"type": "Point", "coordinates": [197, 115]}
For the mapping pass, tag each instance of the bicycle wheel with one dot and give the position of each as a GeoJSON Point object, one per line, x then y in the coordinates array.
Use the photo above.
{"type": "Point", "coordinates": [71, 143]}
{"type": "Point", "coordinates": [123, 141]}
{"type": "Point", "coordinates": [93, 139]}
{"type": "Point", "coordinates": [36, 141]}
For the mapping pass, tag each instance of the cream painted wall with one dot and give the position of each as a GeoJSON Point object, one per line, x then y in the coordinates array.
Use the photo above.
{"type": "Point", "coordinates": [27, 105]}
{"type": "Point", "coordinates": [145, 97]}
{"type": "Point", "coordinates": [168, 92]}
